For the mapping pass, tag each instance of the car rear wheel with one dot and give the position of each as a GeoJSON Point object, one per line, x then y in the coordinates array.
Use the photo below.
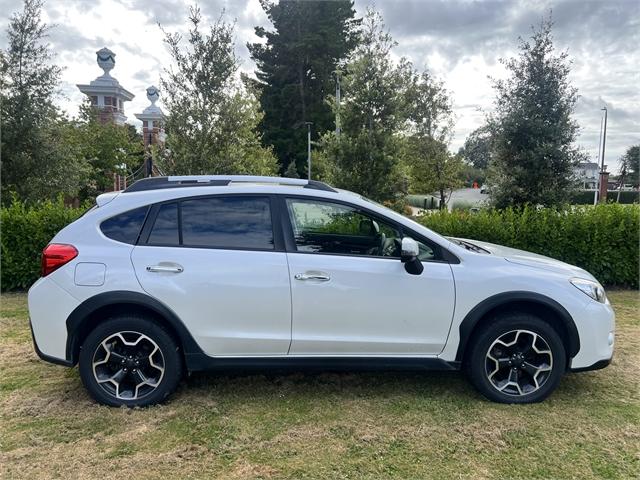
{"type": "Point", "coordinates": [517, 358]}
{"type": "Point", "coordinates": [130, 361]}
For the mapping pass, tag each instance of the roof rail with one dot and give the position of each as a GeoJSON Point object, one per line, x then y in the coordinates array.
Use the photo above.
{"type": "Point", "coordinates": [157, 183]}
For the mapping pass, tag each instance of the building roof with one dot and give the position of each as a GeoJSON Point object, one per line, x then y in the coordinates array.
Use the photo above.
{"type": "Point", "coordinates": [588, 165]}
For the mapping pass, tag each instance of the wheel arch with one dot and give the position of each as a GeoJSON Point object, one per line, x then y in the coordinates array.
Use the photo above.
{"type": "Point", "coordinates": [547, 308]}
{"type": "Point", "coordinates": [99, 308]}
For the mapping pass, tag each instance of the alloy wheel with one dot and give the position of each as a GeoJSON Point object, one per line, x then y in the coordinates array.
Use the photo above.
{"type": "Point", "coordinates": [518, 362]}
{"type": "Point", "coordinates": [128, 365]}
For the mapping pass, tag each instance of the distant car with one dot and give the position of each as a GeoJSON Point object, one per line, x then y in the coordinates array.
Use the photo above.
{"type": "Point", "coordinates": [484, 188]}
{"type": "Point", "coordinates": [178, 274]}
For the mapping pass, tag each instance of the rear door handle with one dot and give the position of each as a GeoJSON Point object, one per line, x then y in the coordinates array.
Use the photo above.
{"type": "Point", "coordinates": [165, 268]}
{"type": "Point", "coordinates": [318, 276]}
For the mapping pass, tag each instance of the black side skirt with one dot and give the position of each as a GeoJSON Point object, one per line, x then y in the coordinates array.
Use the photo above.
{"type": "Point", "coordinates": [202, 362]}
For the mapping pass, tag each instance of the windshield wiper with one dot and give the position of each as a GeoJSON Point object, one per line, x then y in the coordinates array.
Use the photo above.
{"type": "Point", "coordinates": [469, 246]}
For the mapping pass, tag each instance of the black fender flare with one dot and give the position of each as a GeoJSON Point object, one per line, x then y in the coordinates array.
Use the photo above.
{"type": "Point", "coordinates": [503, 299]}
{"type": "Point", "coordinates": [83, 312]}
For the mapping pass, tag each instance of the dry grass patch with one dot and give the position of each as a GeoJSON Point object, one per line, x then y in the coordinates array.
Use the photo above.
{"type": "Point", "coordinates": [369, 425]}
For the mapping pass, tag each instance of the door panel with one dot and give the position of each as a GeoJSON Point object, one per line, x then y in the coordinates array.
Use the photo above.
{"type": "Point", "coordinates": [213, 261]}
{"type": "Point", "coordinates": [369, 306]}
{"type": "Point", "coordinates": [350, 292]}
{"type": "Point", "coordinates": [233, 302]}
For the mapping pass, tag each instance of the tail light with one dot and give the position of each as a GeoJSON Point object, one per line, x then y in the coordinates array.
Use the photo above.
{"type": "Point", "coordinates": [56, 255]}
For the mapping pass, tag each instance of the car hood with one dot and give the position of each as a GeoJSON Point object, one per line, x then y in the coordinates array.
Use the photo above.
{"type": "Point", "coordinates": [529, 259]}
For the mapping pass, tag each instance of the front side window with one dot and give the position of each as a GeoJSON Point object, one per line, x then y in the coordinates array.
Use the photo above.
{"type": "Point", "coordinates": [325, 227]}
{"type": "Point", "coordinates": [126, 226]}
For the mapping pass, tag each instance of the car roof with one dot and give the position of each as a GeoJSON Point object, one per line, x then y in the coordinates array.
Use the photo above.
{"type": "Point", "coordinates": [157, 183]}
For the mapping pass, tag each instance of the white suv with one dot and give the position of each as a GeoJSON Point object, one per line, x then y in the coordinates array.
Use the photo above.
{"type": "Point", "coordinates": [179, 274]}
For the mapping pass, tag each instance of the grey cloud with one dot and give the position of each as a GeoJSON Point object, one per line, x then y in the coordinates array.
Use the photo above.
{"type": "Point", "coordinates": [143, 76]}
{"type": "Point", "coordinates": [459, 28]}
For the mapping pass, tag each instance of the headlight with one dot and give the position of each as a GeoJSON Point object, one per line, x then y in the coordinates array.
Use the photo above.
{"type": "Point", "coordinates": [591, 288]}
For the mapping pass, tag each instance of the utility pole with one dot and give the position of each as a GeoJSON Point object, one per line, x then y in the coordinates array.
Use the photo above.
{"type": "Point", "coordinates": [338, 101]}
{"type": "Point", "coordinates": [604, 175]}
{"type": "Point", "coordinates": [308, 124]}
{"type": "Point", "coordinates": [595, 194]}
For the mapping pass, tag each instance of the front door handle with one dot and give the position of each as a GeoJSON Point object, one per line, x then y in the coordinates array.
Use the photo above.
{"type": "Point", "coordinates": [318, 276]}
{"type": "Point", "coordinates": [165, 268]}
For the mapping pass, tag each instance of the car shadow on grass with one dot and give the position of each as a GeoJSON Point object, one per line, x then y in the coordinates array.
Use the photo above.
{"type": "Point", "coordinates": [315, 382]}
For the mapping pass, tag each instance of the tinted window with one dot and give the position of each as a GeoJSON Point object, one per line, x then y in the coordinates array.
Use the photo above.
{"type": "Point", "coordinates": [236, 222]}
{"type": "Point", "coordinates": [165, 228]}
{"type": "Point", "coordinates": [324, 227]}
{"type": "Point", "coordinates": [126, 226]}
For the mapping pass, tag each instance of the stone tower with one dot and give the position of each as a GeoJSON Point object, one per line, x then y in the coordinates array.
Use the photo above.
{"type": "Point", "coordinates": [152, 119]}
{"type": "Point", "coordinates": [105, 92]}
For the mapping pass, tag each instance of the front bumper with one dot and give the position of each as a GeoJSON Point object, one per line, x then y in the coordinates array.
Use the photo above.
{"type": "Point", "coordinates": [596, 328]}
{"type": "Point", "coordinates": [600, 364]}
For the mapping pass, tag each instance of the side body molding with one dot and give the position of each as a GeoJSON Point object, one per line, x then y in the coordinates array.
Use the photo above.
{"type": "Point", "coordinates": [513, 298]}
{"type": "Point", "coordinates": [82, 318]}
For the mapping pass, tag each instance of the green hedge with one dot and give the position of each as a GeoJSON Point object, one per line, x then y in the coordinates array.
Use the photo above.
{"type": "Point", "coordinates": [602, 239]}
{"type": "Point", "coordinates": [25, 231]}
{"type": "Point", "coordinates": [426, 202]}
{"type": "Point", "coordinates": [585, 197]}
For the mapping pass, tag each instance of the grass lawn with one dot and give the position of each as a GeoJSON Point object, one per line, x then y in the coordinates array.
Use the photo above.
{"type": "Point", "coordinates": [373, 425]}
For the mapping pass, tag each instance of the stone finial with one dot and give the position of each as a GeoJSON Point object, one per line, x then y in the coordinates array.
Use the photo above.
{"type": "Point", "coordinates": [106, 60]}
{"type": "Point", "coordinates": [153, 94]}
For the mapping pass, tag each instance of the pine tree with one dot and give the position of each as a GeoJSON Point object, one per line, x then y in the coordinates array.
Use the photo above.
{"type": "Point", "coordinates": [212, 118]}
{"type": "Point", "coordinates": [35, 164]}
{"type": "Point", "coordinates": [367, 155]}
{"type": "Point", "coordinates": [532, 127]}
{"type": "Point", "coordinates": [296, 68]}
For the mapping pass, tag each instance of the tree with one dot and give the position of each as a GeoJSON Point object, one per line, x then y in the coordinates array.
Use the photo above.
{"type": "Point", "coordinates": [630, 166]}
{"type": "Point", "coordinates": [367, 154]}
{"type": "Point", "coordinates": [434, 168]}
{"type": "Point", "coordinates": [532, 126]}
{"type": "Point", "coordinates": [477, 148]}
{"type": "Point", "coordinates": [35, 164]}
{"type": "Point", "coordinates": [212, 117]}
{"type": "Point", "coordinates": [103, 149]}
{"type": "Point", "coordinates": [292, 171]}
{"type": "Point", "coordinates": [296, 68]}
{"type": "Point", "coordinates": [430, 115]}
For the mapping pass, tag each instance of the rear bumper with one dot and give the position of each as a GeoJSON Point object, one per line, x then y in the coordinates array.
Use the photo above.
{"type": "Point", "coordinates": [49, 308]}
{"type": "Point", "coordinates": [45, 357]}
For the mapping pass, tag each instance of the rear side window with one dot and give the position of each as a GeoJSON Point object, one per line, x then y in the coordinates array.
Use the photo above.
{"type": "Point", "coordinates": [165, 228]}
{"type": "Point", "coordinates": [126, 226]}
{"type": "Point", "coordinates": [215, 222]}
{"type": "Point", "coordinates": [235, 222]}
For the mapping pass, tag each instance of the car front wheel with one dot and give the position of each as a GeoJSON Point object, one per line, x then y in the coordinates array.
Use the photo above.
{"type": "Point", "coordinates": [130, 361]}
{"type": "Point", "coordinates": [517, 358]}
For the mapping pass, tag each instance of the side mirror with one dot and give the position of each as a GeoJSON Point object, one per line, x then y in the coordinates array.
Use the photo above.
{"type": "Point", "coordinates": [409, 256]}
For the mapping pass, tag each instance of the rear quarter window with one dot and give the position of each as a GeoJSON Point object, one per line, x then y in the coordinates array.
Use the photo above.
{"type": "Point", "coordinates": [125, 227]}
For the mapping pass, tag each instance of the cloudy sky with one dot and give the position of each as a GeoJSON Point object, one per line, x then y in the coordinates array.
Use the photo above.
{"type": "Point", "coordinates": [459, 41]}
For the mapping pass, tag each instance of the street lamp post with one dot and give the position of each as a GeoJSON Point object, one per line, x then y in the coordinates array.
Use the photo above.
{"type": "Point", "coordinates": [604, 175]}
{"type": "Point", "coordinates": [338, 73]}
{"type": "Point", "coordinates": [308, 124]}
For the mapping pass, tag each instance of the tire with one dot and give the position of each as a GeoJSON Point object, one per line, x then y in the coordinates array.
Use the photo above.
{"type": "Point", "coordinates": [504, 365]}
{"type": "Point", "coordinates": [108, 367]}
